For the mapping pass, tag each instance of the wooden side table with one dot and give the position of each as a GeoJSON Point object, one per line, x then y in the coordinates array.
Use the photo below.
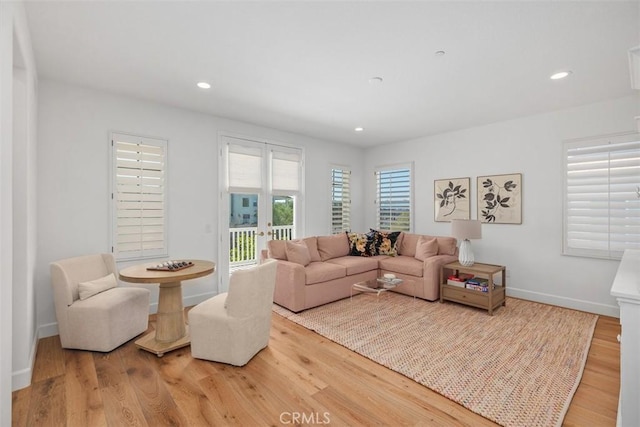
{"type": "Point", "coordinates": [489, 300]}
{"type": "Point", "coordinates": [171, 330]}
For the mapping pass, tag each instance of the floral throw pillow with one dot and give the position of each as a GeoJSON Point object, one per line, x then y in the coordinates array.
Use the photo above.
{"type": "Point", "coordinates": [361, 244]}
{"type": "Point", "coordinates": [385, 242]}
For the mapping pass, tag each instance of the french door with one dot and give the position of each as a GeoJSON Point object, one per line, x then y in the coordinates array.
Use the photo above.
{"type": "Point", "coordinates": [260, 199]}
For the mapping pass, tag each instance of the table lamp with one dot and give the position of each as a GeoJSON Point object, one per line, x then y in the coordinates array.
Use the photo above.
{"type": "Point", "coordinates": [463, 230]}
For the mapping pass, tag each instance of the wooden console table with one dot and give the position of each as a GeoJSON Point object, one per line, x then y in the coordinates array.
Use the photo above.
{"type": "Point", "coordinates": [489, 300]}
{"type": "Point", "coordinates": [171, 330]}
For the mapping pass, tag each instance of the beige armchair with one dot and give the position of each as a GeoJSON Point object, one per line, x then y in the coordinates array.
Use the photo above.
{"type": "Point", "coordinates": [93, 311]}
{"type": "Point", "coordinates": [233, 327]}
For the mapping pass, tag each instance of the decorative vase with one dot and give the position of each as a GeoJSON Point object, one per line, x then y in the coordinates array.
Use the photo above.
{"type": "Point", "coordinates": [465, 256]}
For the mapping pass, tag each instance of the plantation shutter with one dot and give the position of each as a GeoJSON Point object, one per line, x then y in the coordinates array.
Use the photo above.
{"type": "Point", "coordinates": [602, 196]}
{"type": "Point", "coordinates": [139, 197]}
{"type": "Point", "coordinates": [340, 200]}
{"type": "Point", "coordinates": [393, 199]}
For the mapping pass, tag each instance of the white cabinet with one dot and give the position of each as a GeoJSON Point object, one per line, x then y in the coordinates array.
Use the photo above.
{"type": "Point", "coordinates": [626, 288]}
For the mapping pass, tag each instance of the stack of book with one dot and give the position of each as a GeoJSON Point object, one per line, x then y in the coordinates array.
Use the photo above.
{"type": "Point", "coordinates": [455, 281]}
{"type": "Point", "coordinates": [459, 280]}
{"type": "Point", "coordinates": [478, 284]}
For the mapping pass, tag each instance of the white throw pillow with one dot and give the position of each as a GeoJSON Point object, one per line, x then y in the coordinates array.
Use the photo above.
{"type": "Point", "coordinates": [93, 287]}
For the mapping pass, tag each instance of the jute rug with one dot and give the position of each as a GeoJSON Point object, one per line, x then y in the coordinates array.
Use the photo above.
{"type": "Point", "coordinates": [519, 367]}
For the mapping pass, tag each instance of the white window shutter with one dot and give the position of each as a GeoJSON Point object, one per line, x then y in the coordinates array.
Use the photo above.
{"type": "Point", "coordinates": [393, 198]}
{"type": "Point", "coordinates": [139, 197]}
{"type": "Point", "coordinates": [340, 200]}
{"type": "Point", "coordinates": [602, 197]}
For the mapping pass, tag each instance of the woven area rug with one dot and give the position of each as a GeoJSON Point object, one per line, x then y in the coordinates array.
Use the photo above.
{"type": "Point", "coordinates": [519, 367]}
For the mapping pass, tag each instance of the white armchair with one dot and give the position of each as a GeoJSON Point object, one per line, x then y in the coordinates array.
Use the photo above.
{"type": "Point", "coordinates": [233, 327]}
{"type": "Point", "coordinates": [93, 311]}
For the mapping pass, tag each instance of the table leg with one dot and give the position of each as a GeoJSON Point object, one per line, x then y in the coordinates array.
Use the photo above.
{"type": "Point", "coordinates": [170, 326]}
{"type": "Point", "coordinates": [171, 331]}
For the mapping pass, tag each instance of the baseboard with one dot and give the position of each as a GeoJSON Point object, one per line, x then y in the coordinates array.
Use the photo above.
{"type": "Point", "coordinates": [48, 330]}
{"type": "Point", "coordinates": [575, 304]}
{"type": "Point", "coordinates": [197, 299]}
{"type": "Point", "coordinates": [22, 378]}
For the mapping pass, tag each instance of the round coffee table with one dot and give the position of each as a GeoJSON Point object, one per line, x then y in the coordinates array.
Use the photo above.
{"type": "Point", "coordinates": [171, 330]}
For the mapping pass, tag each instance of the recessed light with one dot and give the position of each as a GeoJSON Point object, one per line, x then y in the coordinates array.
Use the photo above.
{"type": "Point", "coordinates": [359, 129]}
{"type": "Point", "coordinates": [375, 80]}
{"type": "Point", "coordinates": [439, 52]}
{"type": "Point", "coordinates": [204, 85]}
{"type": "Point", "coordinates": [560, 75]}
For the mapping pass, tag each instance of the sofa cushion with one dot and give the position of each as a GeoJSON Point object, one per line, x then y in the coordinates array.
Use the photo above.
{"type": "Point", "coordinates": [333, 246]}
{"type": "Point", "coordinates": [447, 245]}
{"type": "Point", "coordinates": [298, 252]}
{"type": "Point", "coordinates": [317, 272]}
{"type": "Point", "coordinates": [402, 264]}
{"type": "Point", "coordinates": [312, 244]}
{"type": "Point", "coordinates": [426, 248]}
{"type": "Point", "coordinates": [408, 245]}
{"type": "Point", "coordinates": [361, 244]}
{"type": "Point", "coordinates": [385, 242]}
{"type": "Point", "coordinates": [355, 265]}
{"type": "Point", "coordinates": [277, 249]}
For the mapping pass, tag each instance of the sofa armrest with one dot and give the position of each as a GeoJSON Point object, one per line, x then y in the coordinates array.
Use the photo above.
{"type": "Point", "coordinates": [290, 285]}
{"type": "Point", "coordinates": [431, 267]}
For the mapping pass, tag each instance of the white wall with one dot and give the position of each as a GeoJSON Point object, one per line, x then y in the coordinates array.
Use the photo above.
{"type": "Point", "coordinates": [531, 146]}
{"type": "Point", "coordinates": [73, 179]}
{"type": "Point", "coordinates": [18, 80]}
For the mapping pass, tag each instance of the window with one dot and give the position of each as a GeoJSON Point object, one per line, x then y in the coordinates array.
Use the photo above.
{"type": "Point", "coordinates": [139, 219]}
{"type": "Point", "coordinates": [340, 200]}
{"type": "Point", "coordinates": [602, 196]}
{"type": "Point", "coordinates": [394, 198]}
{"type": "Point", "coordinates": [245, 202]}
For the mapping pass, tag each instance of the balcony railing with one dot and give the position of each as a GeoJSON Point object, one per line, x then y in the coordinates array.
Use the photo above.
{"type": "Point", "coordinates": [242, 243]}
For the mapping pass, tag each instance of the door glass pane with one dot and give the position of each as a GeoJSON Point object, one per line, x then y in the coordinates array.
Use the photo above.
{"type": "Point", "coordinates": [243, 225]}
{"type": "Point", "coordinates": [283, 214]}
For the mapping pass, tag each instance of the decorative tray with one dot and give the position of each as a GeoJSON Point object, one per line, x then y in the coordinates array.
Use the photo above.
{"type": "Point", "coordinates": [171, 266]}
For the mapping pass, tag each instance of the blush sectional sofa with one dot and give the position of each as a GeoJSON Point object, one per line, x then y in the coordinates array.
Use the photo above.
{"type": "Point", "coordinates": [321, 269]}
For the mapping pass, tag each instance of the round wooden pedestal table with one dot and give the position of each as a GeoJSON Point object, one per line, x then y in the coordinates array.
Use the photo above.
{"type": "Point", "coordinates": [171, 330]}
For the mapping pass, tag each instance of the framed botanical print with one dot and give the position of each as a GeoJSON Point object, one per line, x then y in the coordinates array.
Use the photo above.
{"type": "Point", "coordinates": [451, 199]}
{"type": "Point", "coordinates": [500, 199]}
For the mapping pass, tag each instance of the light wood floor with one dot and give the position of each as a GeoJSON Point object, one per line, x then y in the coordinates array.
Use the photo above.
{"type": "Point", "coordinates": [300, 374]}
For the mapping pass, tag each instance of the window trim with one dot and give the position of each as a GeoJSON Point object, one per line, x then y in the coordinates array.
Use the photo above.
{"type": "Point", "coordinates": [567, 145]}
{"type": "Point", "coordinates": [343, 169]}
{"type": "Point", "coordinates": [113, 220]}
{"type": "Point", "coordinates": [390, 167]}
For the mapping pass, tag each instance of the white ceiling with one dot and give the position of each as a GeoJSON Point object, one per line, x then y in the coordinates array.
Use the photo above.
{"type": "Point", "coordinates": [304, 66]}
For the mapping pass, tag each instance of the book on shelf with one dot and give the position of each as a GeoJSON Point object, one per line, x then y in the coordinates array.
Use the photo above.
{"type": "Point", "coordinates": [458, 283]}
{"type": "Point", "coordinates": [480, 288]}
{"type": "Point", "coordinates": [479, 281]}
